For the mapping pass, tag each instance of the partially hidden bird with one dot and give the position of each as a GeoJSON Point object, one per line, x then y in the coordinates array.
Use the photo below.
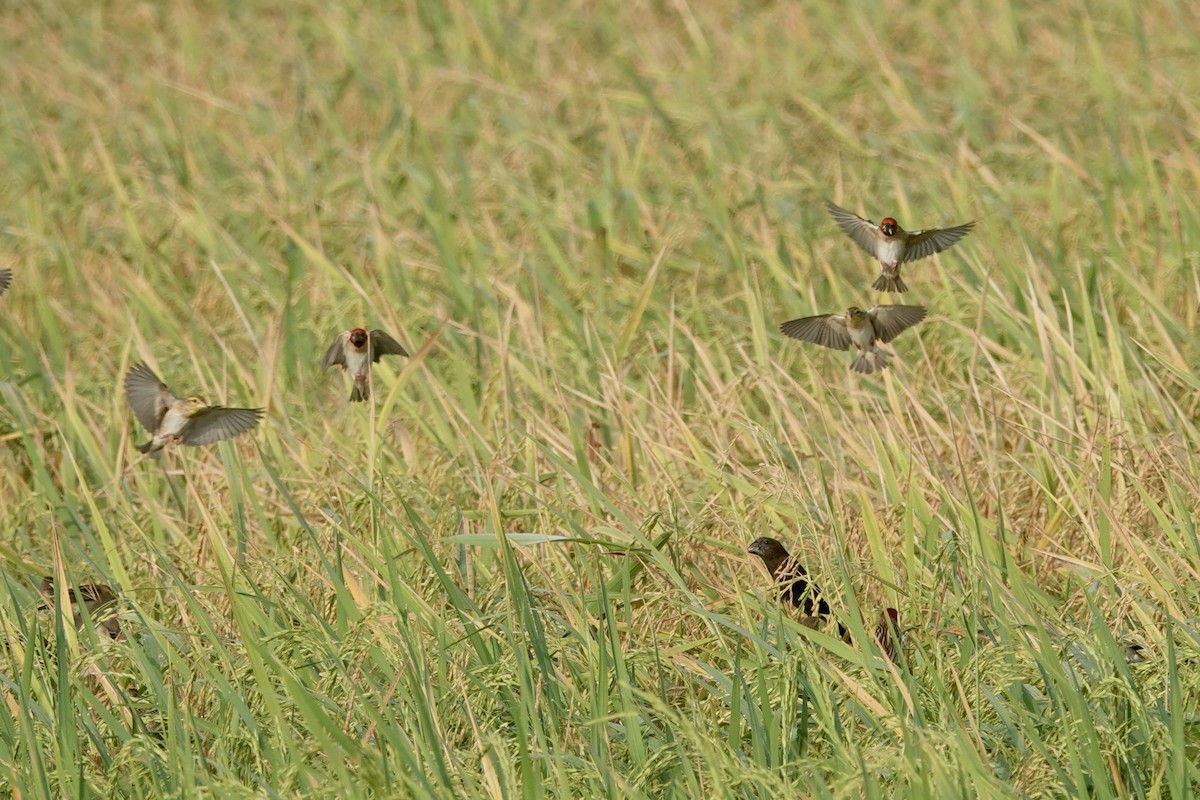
{"type": "Point", "coordinates": [866, 330]}
{"type": "Point", "coordinates": [99, 600]}
{"type": "Point", "coordinates": [5, 279]}
{"type": "Point", "coordinates": [173, 420]}
{"type": "Point", "coordinates": [888, 634]}
{"type": "Point", "coordinates": [894, 246]}
{"type": "Point", "coordinates": [795, 585]}
{"type": "Point", "coordinates": [355, 350]}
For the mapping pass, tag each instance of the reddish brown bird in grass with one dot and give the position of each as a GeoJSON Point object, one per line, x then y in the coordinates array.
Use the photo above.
{"type": "Point", "coordinates": [795, 586]}
{"type": "Point", "coordinates": [355, 351]}
{"type": "Point", "coordinates": [888, 634]}
{"type": "Point", "coordinates": [99, 600]}
{"type": "Point", "coordinates": [595, 443]}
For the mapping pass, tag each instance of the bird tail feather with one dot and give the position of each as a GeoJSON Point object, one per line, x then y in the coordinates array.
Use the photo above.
{"type": "Point", "coordinates": [889, 282]}
{"type": "Point", "coordinates": [869, 362]}
{"type": "Point", "coordinates": [360, 392]}
{"type": "Point", "coordinates": [882, 358]}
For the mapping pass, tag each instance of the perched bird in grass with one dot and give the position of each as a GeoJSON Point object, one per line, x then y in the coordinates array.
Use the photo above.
{"type": "Point", "coordinates": [893, 245]}
{"type": "Point", "coordinates": [173, 420]}
{"type": "Point", "coordinates": [355, 351]}
{"type": "Point", "coordinates": [888, 634]}
{"type": "Point", "coordinates": [794, 584]}
{"type": "Point", "coordinates": [99, 600]}
{"type": "Point", "coordinates": [863, 329]}
{"type": "Point", "coordinates": [5, 279]}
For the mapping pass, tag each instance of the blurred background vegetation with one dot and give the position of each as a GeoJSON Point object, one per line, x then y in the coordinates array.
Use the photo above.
{"type": "Point", "coordinates": [521, 571]}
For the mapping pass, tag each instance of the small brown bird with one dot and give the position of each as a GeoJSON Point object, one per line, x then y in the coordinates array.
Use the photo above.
{"type": "Point", "coordinates": [171, 420]}
{"type": "Point", "coordinates": [99, 600]}
{"type": "Point", "coordinates": [355, 351]}
{"type": "Point", "coordinates": [1134, 653]}
{"type": "Point", "coordinates": [893, 245]}
{"type": "Point", "coordinates": [795, 586]}
{"type": "Point", "coordinates": [866, 330]}
{"type": "Point", "coordinates": [888, 634]}
{"type": "Point", "coordinates": [5, 279]}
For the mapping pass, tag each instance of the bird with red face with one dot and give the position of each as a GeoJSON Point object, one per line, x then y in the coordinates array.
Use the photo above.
{"type": "Point", "coordinates": [893, 245]}
{"type": "Point", "coordinates": [355, 351]}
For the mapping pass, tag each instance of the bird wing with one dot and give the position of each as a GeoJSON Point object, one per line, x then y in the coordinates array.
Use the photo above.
{"type": "Point", "coordinates": [798, 588]}
{"type": "Point", "coordinates": [148, 396]}
{"type": "Point", "coordinates": [384, 345]}
{"type": "Point", "coordinates": [805, 595]}
{"type": "Point", "coordinates": [890, 321]}
{"type": "Point", "coordinates": [336, 354]}
{"type": "Point", "coordinates": [925, 243]}
{"type": "Point", "coordinates": [827, 330]}
{"type": "Point", "coordinates": [215, 423]}
{"type": "Point", "coordinates": [5, 279]}
{"type": "Point", "coordinates": [864, 232]}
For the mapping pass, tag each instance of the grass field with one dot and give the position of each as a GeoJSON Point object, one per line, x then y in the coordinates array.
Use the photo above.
{"type": "Point", "coordinates": [521, 571]}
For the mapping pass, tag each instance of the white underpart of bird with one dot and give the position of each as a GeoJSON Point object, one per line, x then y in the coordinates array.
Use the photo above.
{"type": "Point", "coordinates": [890, 251]}
{"type": "Point", "coordinates": [169, 431]}
{"type": "Point", "coordinates": [358, 364]}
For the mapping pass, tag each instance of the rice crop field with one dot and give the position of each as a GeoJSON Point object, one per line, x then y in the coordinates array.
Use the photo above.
{"type": "Point", "coordinates": [521, 569]}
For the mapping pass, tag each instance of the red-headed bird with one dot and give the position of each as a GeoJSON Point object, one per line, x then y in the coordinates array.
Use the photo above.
{"type": "Point", "coordinates": [355, 351]}
{"type": "Point", "coordinates": [893, 245]}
